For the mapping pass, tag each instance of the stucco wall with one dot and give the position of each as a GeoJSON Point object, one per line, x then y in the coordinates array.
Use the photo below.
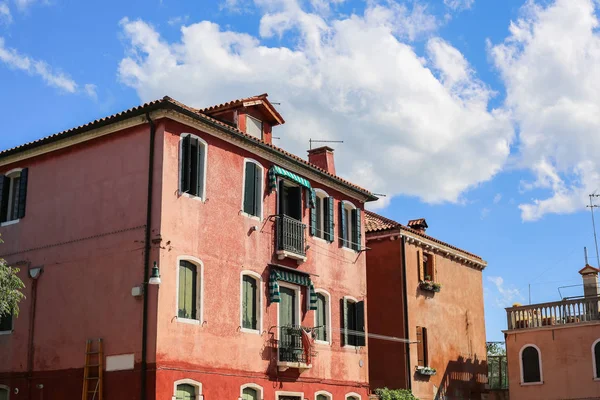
{"type": "Point", "coordinates": [567, 366]}
{"type": "Point", "coordinates": [215, 232]}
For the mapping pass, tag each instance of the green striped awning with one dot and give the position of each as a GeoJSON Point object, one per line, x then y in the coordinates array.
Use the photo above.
{"type": "Point", "coordinates": [276, 171]}
{"type": "Point", "coordinates": [290, 277]}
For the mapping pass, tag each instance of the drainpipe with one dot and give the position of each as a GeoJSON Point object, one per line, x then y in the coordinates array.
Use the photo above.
{"type": "Point", "coordinates": [30, 349]}
{"type": "Point", "coordinates": [405, 300]}
{"type": "Point", "coordinates": [147, 249]}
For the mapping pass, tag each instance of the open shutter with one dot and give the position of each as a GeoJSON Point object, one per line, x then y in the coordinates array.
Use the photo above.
{"type": "Point", "coordinates": [200, 169]}
{"type": "Point", "coordinates": [258, 178]}
{"type": "Point", "coordinates": [295, 200]}
{"type": "Point", "coordinates": [328, 214]}
{"type": "Point", "coordinates": [23, 193]}
{"type": "Point", "coordinates": [420, 268]}
{"type": "Point", "coordinates": [420, 348]}
{"type": "Point", "coordinates": [356, 229]}
{"type": "Point", "coordinates": [343, 223]}
{"type": "Point", "coordinates": [361, 340]}
{"type": "Point", "coordinates": [431, 259]}
{"type": "Point", "coordinates": [343, 320]}
{"type": "Point", "coordinates": [249, 183]}
{"type": "Point", "coordinates": [4, 191]}
{"type": "Point", "coordinates": [186, 161]}
{"type": "Point", "coordinates": [313, 216]}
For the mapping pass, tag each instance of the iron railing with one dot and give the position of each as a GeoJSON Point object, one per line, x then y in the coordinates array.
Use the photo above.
{"type": "Point", "coordinates": [291, 348]}
{"type": "Point", "coordinates": [290, 235]}
{"type": "Point", "coordinates": [497, 372]}
{"type": "Point", "coordinates": [555, 313]}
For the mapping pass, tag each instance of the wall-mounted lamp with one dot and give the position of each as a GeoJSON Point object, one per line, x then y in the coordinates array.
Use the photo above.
{"type": "Point", "coordinates": [155, 276]}
{"type": "Point", "coordinates": [34, 273]}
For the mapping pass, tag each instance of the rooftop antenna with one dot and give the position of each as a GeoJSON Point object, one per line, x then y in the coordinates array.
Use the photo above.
{"type": "Point", "coordinates": [585, 255]}
{"type": "Point", "coordinates": [311, 141]}
{"type": "Point", "coordinates": [591, 207]}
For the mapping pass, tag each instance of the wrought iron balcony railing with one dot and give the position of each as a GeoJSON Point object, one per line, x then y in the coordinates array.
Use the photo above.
{"type": "Point", "coordinates": [290, 235]}
{"type": "Point", "coordinates": [292, 348]}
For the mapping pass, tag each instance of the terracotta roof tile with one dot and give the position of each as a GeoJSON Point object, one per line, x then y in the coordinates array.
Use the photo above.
{"type": "Point", "coordinates": [418, 222]}
{"type": "Point", "coordinates": [377, 223]}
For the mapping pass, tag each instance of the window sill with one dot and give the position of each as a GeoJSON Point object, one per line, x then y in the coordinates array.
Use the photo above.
{"type": "Point", "coordinates": [191, 196]}
{"type": "Point", "coordinates": [188, 321]}
{"type": "Point", "coordinates": [254, 217]}
{"type": "Point", "coordinates": [349, 249]}
{"type": "Point", "coordinates": [319, 239]}
{"type": "Point", "coordinates": [350, 346]}
{"type": "Point", "coordinates": [597, 379]}
{"type": "Point", "coordinates": [322, 343]}
{"type": "Point", "coordinates": [6, 332]}
{"type": "Point", "coordinates": [251, 331]}
{"type": "Point", "coordinates": [531, 383]}
{"type": "Point", "coordinates": [7, 223]}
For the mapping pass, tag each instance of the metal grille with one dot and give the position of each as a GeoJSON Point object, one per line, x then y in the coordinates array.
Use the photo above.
{"type": "Point", "coordinates": [497, 372]}
{"type": "Point", "coordinates": [291, 348]}
{"type": "Point", "coordinates": [290, 235]}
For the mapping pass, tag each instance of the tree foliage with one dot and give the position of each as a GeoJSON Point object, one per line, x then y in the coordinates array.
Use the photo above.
{"type": "Point", "coordinates": [10, 289]}
{"type": "Point", "coordinates": [397, 394]}
{"type": "Point", "coordinates": [496, 349]}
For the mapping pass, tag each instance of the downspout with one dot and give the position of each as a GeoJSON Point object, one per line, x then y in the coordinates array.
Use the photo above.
{"type": "Point", "coordinates": [147, 249]}
{"type": "Point", "coordinates": [405, 300]}
{"type": "Point", "coordinates": [30, 348]}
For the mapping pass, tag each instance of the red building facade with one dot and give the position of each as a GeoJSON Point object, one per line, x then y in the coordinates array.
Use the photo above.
{"type": "Point", "coordinates": [262, 271]}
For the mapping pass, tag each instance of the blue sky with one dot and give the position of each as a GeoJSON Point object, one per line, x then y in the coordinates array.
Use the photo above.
{"type": "Point", "coordinates": [477, 115]}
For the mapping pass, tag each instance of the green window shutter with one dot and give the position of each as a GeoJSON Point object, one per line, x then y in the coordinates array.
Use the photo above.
{"type": "Point", "coordinates": [356, 235]}
{"type": "Point", "coordinates": [201, 153]}
{"type": "Point", "coordinates": [23, 193]}
{"type": "Point", "coordinates": [250, 394]}
{"type": "Point", "coordinates": [343, 320]}
{"type": "Point", "coordinates": [351, 322]}
{"type": "Point", "coordinates": [250, 303]}
{"type": "Point", "coordinates": [321, 318]}
{"type": "Point", "coordinates": [322, 397]}
{"type": "Point", "coordinates": [249, 188]}
{"type": "Point", "coordinates": [186, 156]}
{"type": "Point", "coordinates": [257, 190]}
{"type": "Point", "coordinates": [343, 222]}
{"type": "Point", "coordinates": [328, 214]}
{"type": "Point", "coordinates": [185, 392]}
{"type": "Point", "coordinates": [187, 290]}
{"type": "Point", "coordinates": [360, 324]}
{"type": "Point", "coordinates": [4, 193]}
{"type": "Point", "coordinates": [314, 214]}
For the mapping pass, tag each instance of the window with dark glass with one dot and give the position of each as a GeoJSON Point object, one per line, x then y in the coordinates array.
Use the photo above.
{"type": "Point", "coordinates": [193, 153]}
{"type": "Point", "coordinates": [597, 358]}
{"type": "Point", "coordinates": [353, 323]}
{"type": "Point", "coordinates": [422, 350]}
{"type": "Point", "coordinates": [350, 226]}
{"type": "Point", "coordinates": [323, 397]}
{"type": "Point", "coordinates": [322, 217]}
{"type": "Point", "coordinates": [188, 290]}
{"type": "Point", "coordinates": [3, 393]}
{"type": "Point", "coordinates": [530, 362]}
{"type": "Point", "coordinates": [6, 323]}
{"type": "Point", "coordinates": [253, 178]}
{"type": "Point", "coordinates": [249, 303]}
{"type": "Point", "coordinates": [13, 195]}
{"type": "Point", "coordinates": [321, 316]}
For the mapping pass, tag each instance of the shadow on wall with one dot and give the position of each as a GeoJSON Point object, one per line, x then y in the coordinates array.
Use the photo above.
{"type": "Point", "coordinates": [464, 379]}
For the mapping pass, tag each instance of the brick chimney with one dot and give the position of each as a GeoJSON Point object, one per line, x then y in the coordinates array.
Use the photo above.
{"type": "Point", "coordinates": [590, 281]}
{"type": "Point", "coordinates": [322, 157]}
{"type": "Point", "coordinates": [418, 224]}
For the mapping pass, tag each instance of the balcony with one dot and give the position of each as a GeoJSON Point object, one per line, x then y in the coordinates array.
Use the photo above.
{"type": "Point", "coordinates": [290, 238]}
{"type": "Point", "coordinates": [291, 350]}
{"type": "Point", "coordinates": [565, 312]}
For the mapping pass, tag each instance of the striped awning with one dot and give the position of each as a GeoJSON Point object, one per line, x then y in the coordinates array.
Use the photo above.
{"type": "Point", "coordinates": [290, 277]}
{"type": "Point", "coordinates": [276, 171]}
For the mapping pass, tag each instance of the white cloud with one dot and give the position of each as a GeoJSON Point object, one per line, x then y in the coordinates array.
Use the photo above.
{"type": "Point", "coordinates": [550, 65]}
{"type": "Point", "coordinates": [507, 295]}
{"type": "Point", "coordinates": [459, 4]}
{"type": "Point", "coordinates": [485, 211]}
{"type": "Point", "coordinates": [413, 124]}
{"type": "Point", "coordinates": [13, 59]}
{"type": "Point", "coordinates": [497, 198]}
{"type": "Point", "coordinates": [179, 20]}
{"type": "Point", "coordinates": [5, 15]}
{"type": "Point", "coordinates": [24, 4]}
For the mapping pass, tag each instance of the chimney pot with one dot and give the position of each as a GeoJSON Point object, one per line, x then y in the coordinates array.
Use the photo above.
{"type": "Point", "coordinates": [322, 157]}
{"type": "Point", "coordinates": [418, 224]}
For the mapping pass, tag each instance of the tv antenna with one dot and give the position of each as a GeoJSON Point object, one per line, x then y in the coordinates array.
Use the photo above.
{"type": "Point", "coordinates": [311, 141]}
{"type": "Point", "coordinates": [591, 207]}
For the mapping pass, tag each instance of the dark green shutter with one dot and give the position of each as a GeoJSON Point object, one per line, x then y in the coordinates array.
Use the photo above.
{"type": "Point", "coordinates": [343, 222]}
{"type": "Point", "coordinates": [257, 190]}
{"type": "Point", "coordinates": [249, 189]}
{"type": "Point", "coordinates": [200, 168]}
{"type": "Point", "coordinates": [186, 160]}
{"type": "Point", "coordinates": [23, 193]}
{"type": "Point", "coordinates": [4, 193]}
{"type": "Point", "coordinates": [360, 324]}
{"type": "Point", "coordinates": [250, 303]}
{"type": "Point", "coordinates": [356, 229]}
{"type": "Point", "coordinates": [343, 321]}
{"type": "Point", "coordinates": [313, 217]}
{"type": "Point", "coordinates": [328, 213]}
{"type": "Point", "coordinates": [187, 290]}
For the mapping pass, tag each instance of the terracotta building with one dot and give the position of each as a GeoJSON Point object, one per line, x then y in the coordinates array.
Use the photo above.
{"type": "Point", "coordinates": [431, 293]}
{"type": "Point", "coordinates": [553, 349]}
{"type": "Point", "coordinates": [210, 263]}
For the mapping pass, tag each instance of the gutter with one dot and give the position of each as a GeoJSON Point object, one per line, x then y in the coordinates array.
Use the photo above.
{"type": "Point", "coordinates": [405, 300]}
{"type": "Point", "coordinates": [147, 249]}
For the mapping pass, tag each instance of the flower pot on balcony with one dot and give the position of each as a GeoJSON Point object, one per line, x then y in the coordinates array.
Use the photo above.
{"type": "Point", "coordinates": [430, 286]}
{"type": "Point", "coordinates": [426, 371]}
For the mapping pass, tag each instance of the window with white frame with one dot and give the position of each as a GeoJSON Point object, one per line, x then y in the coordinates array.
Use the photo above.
{"type": "Point", "coordinates": [254, 127]}
{"type": "Point", "coordinates": [192, 169]}
{"type": "Point", "coordinates": [189, 290]}
{"type": "Point", "coordinates": [6, 323]}
{"type": "Point", "coordinates": [187, 389]}
{"type": "Point", "coordinates": [531, 364]}
{"type": "Point", "coordinates": [253, 188]}
{"type": "Point", "coordinates": [322, 216]}
{"type": "Point", "coordinates": [596, 358]}
{"type": "Point", "coordinates": [353, 322]}
{"type": "Point", "coordinates": [251, 392]}
{"type": "Point", "coordinates": [4, 392]}
{"type": "Point", "coordinates": [250, 302]}
{"type": "Point", "coordinates": [13, 195]}
{"type": "Point", "coordinates": [352, 396]}
{"type": "Point", "coordinates": [350, 226]}
{"type": "Point", "coordinates": [322, 318]}
{"type": "Point", "coordinates": [323, 395]}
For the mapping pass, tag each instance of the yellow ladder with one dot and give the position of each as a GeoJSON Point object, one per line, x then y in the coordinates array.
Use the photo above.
{"type": "Point", "coordinates": [92, 383]}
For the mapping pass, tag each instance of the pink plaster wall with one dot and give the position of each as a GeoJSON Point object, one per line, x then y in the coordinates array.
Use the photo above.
{"type": "Point", "coordinates": [567, 365]}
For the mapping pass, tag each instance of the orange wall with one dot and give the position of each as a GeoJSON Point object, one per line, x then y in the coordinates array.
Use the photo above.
{"type": "Point", "coordinates": [567, 365]}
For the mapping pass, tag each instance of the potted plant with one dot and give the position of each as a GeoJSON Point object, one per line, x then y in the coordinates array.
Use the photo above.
{"type": "Point", "coordinates": [428, 371]}
{"type": "Point", "coordinates": [437, 287]}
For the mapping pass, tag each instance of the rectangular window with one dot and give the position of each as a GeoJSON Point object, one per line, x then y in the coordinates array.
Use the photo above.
{"type": "Point", "coordinates": [187, 301]}
{"type": "Point", "coordinates": [350, 227]}
{"type": "Point", "coordinates": [250, 303]}
{"type": "Point", "coordinates": [13, 195]}
{"type": "Point", "coordinates": [422, 357]}
{"type": "Point", "coordinates": [253, 189]}
{"type": "Point", "coordinates": [353, 323]}
{"type": "Point", "coordinates": [321, 318]}
{"type": "Point", "coordinates": [254, 127]}
{"type": "Point", "coordinates": [426, 264]}
{"type": "Point", "coordinates": [193, 153]}
{"type": "Point", "coordinates": [321, 218]}
{"type": "Point", "coordinates": [319, 231]}
{"type": "Point", "coordinates": [6, 322]}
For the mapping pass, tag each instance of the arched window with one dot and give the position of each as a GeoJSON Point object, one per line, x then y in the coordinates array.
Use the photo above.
{"type": "Point", "coordinates": [253, 188]}
{"type": "Point", "coordinates": [322, 216]}
{"type": "Point", "coordinates": [189, 290]}
{"type": "Point", "coordinates": [251, 302]}
{"type": "Point", "coordinates": [187, 389]}
{"type": "Point", "coordinates": [192, 166]}
{"type": "Point", "coordinates": [323, 317]}
{"type": "Point", "coordinates": [596, 358]}
{"type": "Point", "coordinates": [4, 392]}
{"type": "Point", "coordinates": [323, 395]}
{"type": "Point", "coordinates": [353, 396]}
{"type": "Point", "coordinates": [251, 392]}
{"type": "Point", "coordinates": [531, 364]}
{"type": "Point", "coordinates": [350, 226]}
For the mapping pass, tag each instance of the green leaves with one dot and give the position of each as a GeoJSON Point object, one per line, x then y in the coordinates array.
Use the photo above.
{"type": "Point", "coordinates": [10, 289]}
{"type": "Point", "coordinates": [398, 394]}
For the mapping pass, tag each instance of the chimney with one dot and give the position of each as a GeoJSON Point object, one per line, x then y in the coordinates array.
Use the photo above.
{"type": "Point", "coordinates": [418, 224]}
{"type": "Point", "coordinates": [322, 157]}
{"type": "Point", "coordinates": [590, 281]}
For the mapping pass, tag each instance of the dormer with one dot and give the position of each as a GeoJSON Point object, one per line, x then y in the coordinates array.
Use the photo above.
{"type": "Point", "coordinates": [254, 116]}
